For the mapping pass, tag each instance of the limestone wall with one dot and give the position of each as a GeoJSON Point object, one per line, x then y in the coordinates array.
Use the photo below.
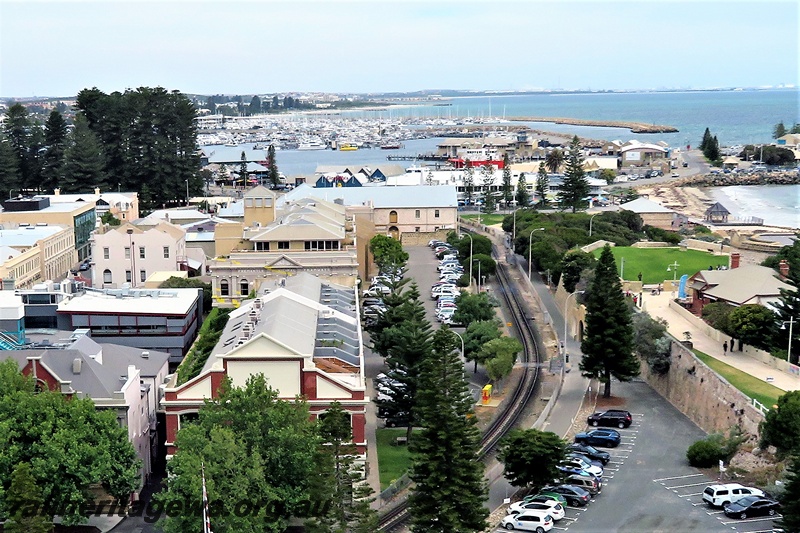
{"type": "Point", "coordinates": [421, 238]}
{"type": "Point", "coordinates": [705, 397]}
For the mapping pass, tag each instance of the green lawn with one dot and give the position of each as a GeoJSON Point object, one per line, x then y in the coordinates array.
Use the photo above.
{"type": "Point", "coordinates": [751, 386]}
{"type": "Point", "coordinates": [393, 461]}
{"type": "Point", "coordinates": [488, 220]}
{"type": "Point", "coordinates": [653, 262]}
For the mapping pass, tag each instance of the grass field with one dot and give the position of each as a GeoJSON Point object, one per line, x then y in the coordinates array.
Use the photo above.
{"type": "Point", "coordinates": [489, 220]}
{"type": "Point", "coordinates": [751, 386]}
{"type": "Point", "coordinates": [653, 262]}
{"type": "Point", "coordinates": [393, 460]}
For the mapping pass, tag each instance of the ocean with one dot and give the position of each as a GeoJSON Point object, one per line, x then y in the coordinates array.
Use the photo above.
{"type": "Point", "coordinates": [778, 205]}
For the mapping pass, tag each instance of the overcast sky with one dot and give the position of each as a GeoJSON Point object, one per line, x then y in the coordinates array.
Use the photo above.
{"type": "Point", "coordinates": [53, 48]}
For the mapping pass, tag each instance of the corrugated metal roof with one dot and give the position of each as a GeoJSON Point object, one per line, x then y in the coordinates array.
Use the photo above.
{"type": "Point", "coordinates": [382, 197]}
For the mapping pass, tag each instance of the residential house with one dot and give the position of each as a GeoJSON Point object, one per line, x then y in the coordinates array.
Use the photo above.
{"type": "Point", "coordinates": [303, 335]}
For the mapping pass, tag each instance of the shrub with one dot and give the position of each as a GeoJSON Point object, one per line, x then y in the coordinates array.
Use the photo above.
{"type": "Point", "coordinates": [705, 453]}
{"type": "Point", "coordinates": [717, 316]}
{"type": "Point", "coordinates": [658, 234]}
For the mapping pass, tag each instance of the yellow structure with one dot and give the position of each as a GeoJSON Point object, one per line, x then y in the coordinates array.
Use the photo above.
{"type": "Point", "coordinates": [32, 254]}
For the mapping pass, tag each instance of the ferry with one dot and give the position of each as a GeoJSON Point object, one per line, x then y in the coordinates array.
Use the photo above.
{"type": "Point", "coordinates": [348, 147]}
{"type": "Point", "coordinates": [391, 146]}
{"type": "Point", "coordinates": [311, 145]}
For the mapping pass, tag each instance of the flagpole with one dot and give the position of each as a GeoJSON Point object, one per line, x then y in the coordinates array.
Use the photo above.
{"type": "Point", "coordinates": [206, 517]}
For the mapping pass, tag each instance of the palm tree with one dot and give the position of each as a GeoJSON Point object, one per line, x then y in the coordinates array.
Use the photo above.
{"type": "Point", "coordinates": [554, 160]}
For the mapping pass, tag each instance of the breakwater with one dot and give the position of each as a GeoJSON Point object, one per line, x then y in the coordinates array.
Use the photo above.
{"type": "Point", "coordinates": [724, 180]}
{"type": "Point", "coordinates": [634, 127]}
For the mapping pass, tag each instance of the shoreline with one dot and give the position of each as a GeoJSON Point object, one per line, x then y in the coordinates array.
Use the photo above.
{"type": "Point", "coordinates": [634, 127]}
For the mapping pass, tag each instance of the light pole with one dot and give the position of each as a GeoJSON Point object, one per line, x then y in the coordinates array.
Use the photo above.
{"type": "Point", "coordinates": [187, 193]}
{"type": "Point", "coordinates": [470, 258]}
{"type": "Point", "coordinates": [129, 231]}
{"type": "Point", "coordinates": [479, 274]}
{"type": "Point", "coordinates": [674, 269]}
{"type": "Point", "coordinates": [591, 219]}
{"type": "Point", "coordinates": [783, 326]}
{"type": "Point", "coordinates": [462, 341]}
{"type": "Point", "coordinates": [530, 244]}
{"type": "Point", "coordinates": [566, 321]}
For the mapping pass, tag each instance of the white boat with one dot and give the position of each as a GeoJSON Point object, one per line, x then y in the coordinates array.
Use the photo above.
{"type": "Point", "coordinates": [311, 145]}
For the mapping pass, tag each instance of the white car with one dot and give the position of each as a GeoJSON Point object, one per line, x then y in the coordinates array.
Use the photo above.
{"type": "Point", "coordinates": [584, 464]}
{"type": "Point", "coordinates": [528, 521]}
{"type": "Point", "coordinates": [552, 507]}
{"type": "Point", "coordinates": [721, 495]}
{"type": "Point", "coordinates": [445, 313]}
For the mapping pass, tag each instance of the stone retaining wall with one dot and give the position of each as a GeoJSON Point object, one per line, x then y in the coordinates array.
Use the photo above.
{"type": "Point", "coordinates": [422, 238]}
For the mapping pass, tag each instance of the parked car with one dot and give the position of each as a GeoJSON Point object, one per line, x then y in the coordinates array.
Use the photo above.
{"type": "Point", "coordinates": [543, 496]}
{"type": "Point", "coordinates": [607, 438]}
{"type": "Point", "coordinates": [398, 420]}
{"type": "Point", "coordinates": [590, 451]}
{"type": "Point", "coordinates": [553, 508]}
{"type": "Point", "coordinates": [612, 417]}
{"type": "Point", "coordinates": [579, 461]}
{"type": "Point", "coordinates": [528, 521]}
{"type": "Point", "coordinates": [366, 302]}
{"type": "Point", "coordinates": [575, 496]}
{"type": "Point", "coordinates": [377, 291]}
{"type": "Point", "coordinates": [589, 483]}
{"type": "Point", "coordinates": [752, 506]}
{"type": "Point", "coordinates": [722, 495]}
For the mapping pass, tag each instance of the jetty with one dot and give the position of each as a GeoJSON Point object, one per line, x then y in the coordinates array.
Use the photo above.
{"type": "Point", "coordinates": [635, 127]}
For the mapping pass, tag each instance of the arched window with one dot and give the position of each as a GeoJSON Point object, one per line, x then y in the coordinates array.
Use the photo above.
{"type": "Point", "coordinates": [107, 276]}
{"type": "Point", "coordinates": [392, 217]}
{"type": "Point", "coordinates": [244, 288]}
{"type": "Point", "coordinates": [224, 290]}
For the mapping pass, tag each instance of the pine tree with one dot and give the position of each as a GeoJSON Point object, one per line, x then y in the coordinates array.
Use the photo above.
{"type": "Point", "coordinates": [779, 131]}
{"type": "Point", "coordinates": [10, 181]}
{"type": "Point", "coordinates": [790, 503]}
{"type": "Point", "coordinates": [706, 140]}
{"type": "Point", "coordinates": [574, 187]}
{"type": "Point", "coordinates": [272, 168]}
{"type": "Point", "coordinates": [24, 502]}
{"type": "Point", "coordinates": [608, 344]}
{"type": "Point", "coordinates": [449, 491]}
{"type": "Point", "coordinates": [469, 182]}
{"type": "Point", "coordinates": [788, 306]}
{"type": "Point", "coordinates": [255, 105]}
{"type": "Point", "coordinates": [55, 139]}
{"type": "Point", "coordinates": [487, 178]}
{"type": "Point", "coordinates": [542, 186]}
{"type": "Point", "coordinates": [84, 159]}
{"type": "Point", "coordinates": [508, 192]}
{"type": "Point", "coordinates": [523, 196]}
{"type": "Point", "coordinates": [17, 127]}
{"type": "Point", "coordinates": [243, 169]}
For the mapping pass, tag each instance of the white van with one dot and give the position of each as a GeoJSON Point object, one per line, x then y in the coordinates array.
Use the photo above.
{"type": "Point", "coordinates": [722, 495]}
{"type": "Point", "coordinates": [444, 290]}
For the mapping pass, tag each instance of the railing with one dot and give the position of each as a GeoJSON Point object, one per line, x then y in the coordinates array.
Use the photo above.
{"type": "Point", "coordinates": [760, 406]}
{"type": "Point", "coordinates": [8, 342]}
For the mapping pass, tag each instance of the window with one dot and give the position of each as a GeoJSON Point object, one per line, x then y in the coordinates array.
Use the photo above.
{"type": "Point", "coordinates": [166, 252]}
{"type": "Point", "coordinates": [128, 277]}
{"type": "Point", "coordinates": [259, 202]}
{"type": "Point", "coordinates": [105, 253]}
{"type": "Point", "coordinates": [436, 214]}
{"type": "Point", "coordinates": [106, 274]}
{"type": "Point", "coordinates": [416, 228]}
{"type": "Point", "coordinates": [127, 253]}
{"type": "Point", "coordinates": [416, 213]}
{"type": "Point", "coordinates": [283, 245]}
{"type": "Point", "coordinates": [143, 275]}
{"type": "Point", "coordinates": [393, 217]}
{"type": "Point", "coordinates": [223, 288]}
{"type": "Point", "coordinates": [244, 287]}
{"type": "Point", "coordinates": [141, 250]}
{"type": "Point", "coordinates": [262, 246]}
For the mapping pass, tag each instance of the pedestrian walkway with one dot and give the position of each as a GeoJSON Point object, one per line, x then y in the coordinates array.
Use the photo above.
{"type": "Point", "coordinates": [658, 306]}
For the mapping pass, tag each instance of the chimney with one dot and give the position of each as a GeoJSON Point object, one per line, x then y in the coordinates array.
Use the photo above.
{"type": "Point", "coordinates": [735, 260]}
{"type": "Point", "coordinates": [97, 191]}
{"type": "Point", "coordinates": [76, 365]}
{"type": "Point", "coordinates": [783, 268]}
{"type": "Point", "coordinates": [56, 192]}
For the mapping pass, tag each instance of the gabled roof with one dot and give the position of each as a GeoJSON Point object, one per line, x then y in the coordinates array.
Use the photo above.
{"type": "Point", "coordinates": [746, 284]}
{"type": "Point", "coordinates": [717, 209]}
{"type": "Point", "coordinates": [643, 205]}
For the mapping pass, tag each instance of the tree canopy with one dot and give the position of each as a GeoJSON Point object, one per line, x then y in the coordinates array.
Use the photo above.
{"type": "Point", "coordinates": [781, 427]}
{"type": "Point", "coordinates": [574, 187]}
{"type": "Point", "coordinates": [388, 252]}
{"type": "Point", "coordinates": [530, 457]}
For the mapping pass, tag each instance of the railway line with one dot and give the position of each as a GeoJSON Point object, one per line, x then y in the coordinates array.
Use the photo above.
{"type": "Point", "coordinates": [514, 404]}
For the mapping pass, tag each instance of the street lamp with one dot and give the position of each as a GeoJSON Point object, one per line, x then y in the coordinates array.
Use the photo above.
{"type": "Point", "coordinates": [530, 244]}
{"type": "Point", "coordinates": [566, 321]}
{"type": "Point", "coordinates": [674, 269]}
{"type": "Point", "coordinates": [187, 194]}
{"type": "Point", "coordinates": [462, 341]}
{"type": "Point", "coordinates": [129, 231]}
{"type": "Point", "coordinates": [470, 258]}
{"type": "Point", "coordinates": [590, 223]}
{"type": "Point", "coordinates": [783, 326]}
{"type": "Point", "coordinates": [479, 274]}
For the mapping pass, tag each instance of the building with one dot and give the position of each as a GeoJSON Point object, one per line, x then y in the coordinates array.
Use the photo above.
{"type": "Point", "coordinates": [303, 234]}
{"type": "Point", "coordinates": [737, 286]}
{"type": "Point", "coordinates": [164, 319]}
{"type": "Point", "coordinates": [30, 254]}
{"type": "Point", "coordinates": [130, 252]}
{"type": "Point", "coordinates": [638, 154]}
{"type": "Point", "coordinates": [654, 214]}
{"type": "Point", "coordinates": [12, 321]}
{"type": "Point", "coordinates": [303, 335]}
{"type": "Point", "coordinates": [392, 210]}
{"type": "Point", "coordinates": [80, 216]}
{"type": "Point", "coordinates": [117, 378]}
{"type": "Point", "coordinates": [123, 205]}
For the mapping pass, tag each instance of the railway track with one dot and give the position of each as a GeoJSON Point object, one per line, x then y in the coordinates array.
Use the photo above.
{"type": "Point", "coordinates": [515, 404]}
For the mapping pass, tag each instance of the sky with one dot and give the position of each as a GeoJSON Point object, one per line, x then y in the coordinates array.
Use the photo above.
{"type": "Point", "coordinates": [57, 48]}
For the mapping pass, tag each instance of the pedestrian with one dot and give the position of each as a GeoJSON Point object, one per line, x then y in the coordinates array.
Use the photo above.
{"type": "Point", "coordinates": [635, 299]}
{"type": "Point", "coordinates": [740, 345]}
{"type": "Point", "coordinates": [640, 276]}
{"type": "Point", "coordinates": [725, 348]}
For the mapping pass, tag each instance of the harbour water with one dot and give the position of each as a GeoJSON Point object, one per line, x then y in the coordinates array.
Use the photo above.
{"type": "Point", "coordinates": [778, 205]}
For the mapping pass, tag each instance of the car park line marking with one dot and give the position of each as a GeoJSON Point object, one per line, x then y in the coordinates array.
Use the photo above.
{"type": "Point", "coordinates": [692, 494]}
{"type": "Point", "coordinates": [701, 503]}
{"type": "Point", "coordinates": [711, 513]}
{"type": "Point", "coordinates": [749, 520]}
{"type": "Point", "coordinates": [688, 485]}
{"type": "Point", "coordinates": [677, 477]}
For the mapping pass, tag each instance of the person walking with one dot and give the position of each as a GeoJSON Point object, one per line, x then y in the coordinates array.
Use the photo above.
{"type": "Point", "coordinates": [725, 348]}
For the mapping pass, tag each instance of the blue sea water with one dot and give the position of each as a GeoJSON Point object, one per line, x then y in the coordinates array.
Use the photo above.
{"type": "Point", "coordinates": [778, 205]}
{"type": "Point", "coordinates": [735, 117]}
